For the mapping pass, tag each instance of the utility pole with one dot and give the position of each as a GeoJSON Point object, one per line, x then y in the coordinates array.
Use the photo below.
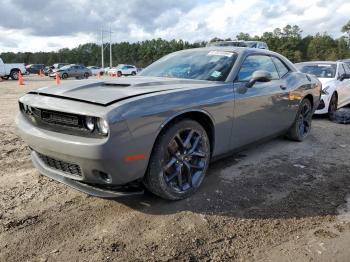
{"type": "Point", "coordinates": [103, 46]}
{"type": "Point", "coordinates": [110, 47]}
{"type": "Point", "coordinates": [102, 60]}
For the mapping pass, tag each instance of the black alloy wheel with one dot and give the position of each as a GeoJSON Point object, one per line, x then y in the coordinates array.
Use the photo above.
{"type": "Point", "coordinates": [179, 161]}
{"type": "Point", "coordinates": [185, 160]}
{"type": "Point", "coordinates": [304, 119]}
{"type": "Point", "coordinates": [302, 124]}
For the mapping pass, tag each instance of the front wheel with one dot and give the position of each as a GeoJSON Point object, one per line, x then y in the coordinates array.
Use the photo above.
{"type": "Point", "coordinates": [333, 106]}
{"type": "Point", "coordinates": [179, 161]}
{"type": "Point", "coordinates": [302, 124]}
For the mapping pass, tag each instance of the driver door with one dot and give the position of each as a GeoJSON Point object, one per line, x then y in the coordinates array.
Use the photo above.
{"type": "Point", "coordinates": [259, 111]}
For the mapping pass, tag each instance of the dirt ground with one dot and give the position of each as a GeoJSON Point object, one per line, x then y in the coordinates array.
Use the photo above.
{"type": "Point", "coordinates": [279, 201]}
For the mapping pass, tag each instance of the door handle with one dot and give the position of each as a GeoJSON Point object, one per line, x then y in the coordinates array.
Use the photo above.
{"type": "Point", "coordinates": [283, 87]}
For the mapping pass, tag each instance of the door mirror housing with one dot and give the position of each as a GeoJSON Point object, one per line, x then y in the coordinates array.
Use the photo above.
{"type": "Point", "coordinates": [259, 76]}
{"type": "Point", "coordinates": [344, 76]}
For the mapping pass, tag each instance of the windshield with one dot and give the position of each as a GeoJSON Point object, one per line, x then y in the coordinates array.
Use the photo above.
{"type": "Point", "coordinates": [321, 70]}
{"type": "Point", "coordinates": [65, 67]}
{"type": "Point", "coordinates": [194, 64]}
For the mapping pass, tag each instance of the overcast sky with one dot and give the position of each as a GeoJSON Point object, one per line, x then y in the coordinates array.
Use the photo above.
{"type": "Point", "coordinates": [44, 25]}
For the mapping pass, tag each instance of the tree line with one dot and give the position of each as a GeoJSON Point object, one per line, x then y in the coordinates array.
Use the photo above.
{"type": "Point", "coordinates": [287, 41]}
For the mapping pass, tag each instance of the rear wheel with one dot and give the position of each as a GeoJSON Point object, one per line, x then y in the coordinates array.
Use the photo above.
{"type": "Point", "coordinates": [333, 106]}
{"type": "Point", "coordinates": [64, 76]}
{"type": "Point", "coordinates": [179, 161]}
{"type": "Point", "coordinates": [86, 75]}
{"type": "Point", "coordinates": [14, 74]}
{"type": "Point", "coordinates": [133, 73]}
{"type": "Point", "coordinates": [302, 124]}
{"type": "Point", "coordinates": [119, 74]}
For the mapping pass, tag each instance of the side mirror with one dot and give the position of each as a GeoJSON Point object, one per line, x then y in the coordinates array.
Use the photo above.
{"type": "Point", "coordinates": [259, 76]}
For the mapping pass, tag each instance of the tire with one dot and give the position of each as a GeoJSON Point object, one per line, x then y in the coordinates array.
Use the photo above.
{"type": "Point", "coordinates": [5, 77]}
{"type": "Point", "coordinates": [333, 106]}
{"type": "Point", "coordinates": [64, 76]}
{"type": "Point", "coordinates": [133, 73]}
{"type": "Point", "coordinates": [302, 123]}
{"type": "Point", "coordinates": [179, 161]}
{"type": "Point", "coordinates": [14, 74]}
{"type": "Point", "coordinates": [86, 75]}
{"type": "Point", "coordinates": [119, 74]}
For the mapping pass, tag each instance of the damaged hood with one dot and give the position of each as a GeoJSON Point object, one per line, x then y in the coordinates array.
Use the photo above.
{"type": "Point", "coordinates": [109, 91]}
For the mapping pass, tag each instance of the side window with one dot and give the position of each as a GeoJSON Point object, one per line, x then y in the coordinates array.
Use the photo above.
{"type": "Point", "coordinates": [341, 70]}
{"type": "Point", "coordinates": [254, 63]}
{"type": "Point", "coordinates": [281, 67]}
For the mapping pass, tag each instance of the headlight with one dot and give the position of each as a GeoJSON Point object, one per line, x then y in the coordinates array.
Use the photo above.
{"type": "Point", "coordinates": [102, 126]}
{"type": "Point", "coordinates": [324, 90]}
{"type": "Point", "coordinates": [90, 123]}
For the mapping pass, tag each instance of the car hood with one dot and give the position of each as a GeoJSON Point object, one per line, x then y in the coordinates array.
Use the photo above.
{"type": "Point", "coordinates": [326, 81]}
{"type": "Point", "coordinates": [107, 92]}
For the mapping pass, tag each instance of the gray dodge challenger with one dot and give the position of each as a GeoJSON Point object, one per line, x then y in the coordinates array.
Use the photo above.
{"type": "Point", "coordinates": [160, 129]}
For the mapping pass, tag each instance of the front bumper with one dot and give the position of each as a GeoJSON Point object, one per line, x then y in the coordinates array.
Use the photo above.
{"type": "Point", "coordinates": [324, 104]}
{"type": "Point", "coordinates": [85, 188]}
{"type": "Point", "coordinates": [95, 158]}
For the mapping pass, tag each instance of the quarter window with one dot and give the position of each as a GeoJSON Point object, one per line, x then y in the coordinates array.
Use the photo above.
{"type": "Point", "coordinates": [255, 63]}
{"type": "Point", "coordinates": [281, 68]}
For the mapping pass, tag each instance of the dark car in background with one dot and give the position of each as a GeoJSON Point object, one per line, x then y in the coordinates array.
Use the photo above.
{"type": "Point", "coordinates": [73, 70]}
{"type": "Point", "coordinates": [163, 126]}
{"type": "Point", "coordinates": [35, 68]}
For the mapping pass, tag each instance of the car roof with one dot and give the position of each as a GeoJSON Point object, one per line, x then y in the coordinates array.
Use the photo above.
{"type": "Point", "coordinates": [236, 49]}
{"type": "Point", "coordinates": [318, 62]}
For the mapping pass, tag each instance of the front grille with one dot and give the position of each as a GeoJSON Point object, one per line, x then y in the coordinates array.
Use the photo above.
{"type": "Point", "coordinates": [59, 118]}
{"type": "Point", "coordinates": [66, 167]}
{"type": "Point", "coordinates": [68, 123]}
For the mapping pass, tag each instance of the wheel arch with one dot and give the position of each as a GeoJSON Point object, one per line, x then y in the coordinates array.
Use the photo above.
{"type": "Point", "coordinates": [14, 70]}
{"type": "Point", "coordinates": [310, 98]}
{"type": "Point", "coordinates": [200, 116]}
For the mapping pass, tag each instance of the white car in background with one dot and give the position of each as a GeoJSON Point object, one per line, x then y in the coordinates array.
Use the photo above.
{"type": "Point", "coordinates": [95, 70]}
{"type": "Point", "coordinates": [11, 70]}
{"type": "Point", "coordinates": [335, 79]}
{"type": "Point", "coordinates": [123, 69]}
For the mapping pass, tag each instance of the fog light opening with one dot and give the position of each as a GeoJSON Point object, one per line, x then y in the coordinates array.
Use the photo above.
{"type": "Point", "coordinates": [104, 177]}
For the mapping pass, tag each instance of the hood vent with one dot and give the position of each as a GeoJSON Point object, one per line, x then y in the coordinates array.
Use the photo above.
{"type": "Point", "coordinates": [116, 85]}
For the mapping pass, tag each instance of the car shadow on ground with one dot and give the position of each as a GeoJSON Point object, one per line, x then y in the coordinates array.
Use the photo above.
{"type": "Point", "coordinates": [277, 187]}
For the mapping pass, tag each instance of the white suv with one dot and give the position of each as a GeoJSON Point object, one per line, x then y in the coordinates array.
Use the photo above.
{"type": "Point", "coordinates": [335, 79]}
{"type": "Point", "coordinates": [123, 70]}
